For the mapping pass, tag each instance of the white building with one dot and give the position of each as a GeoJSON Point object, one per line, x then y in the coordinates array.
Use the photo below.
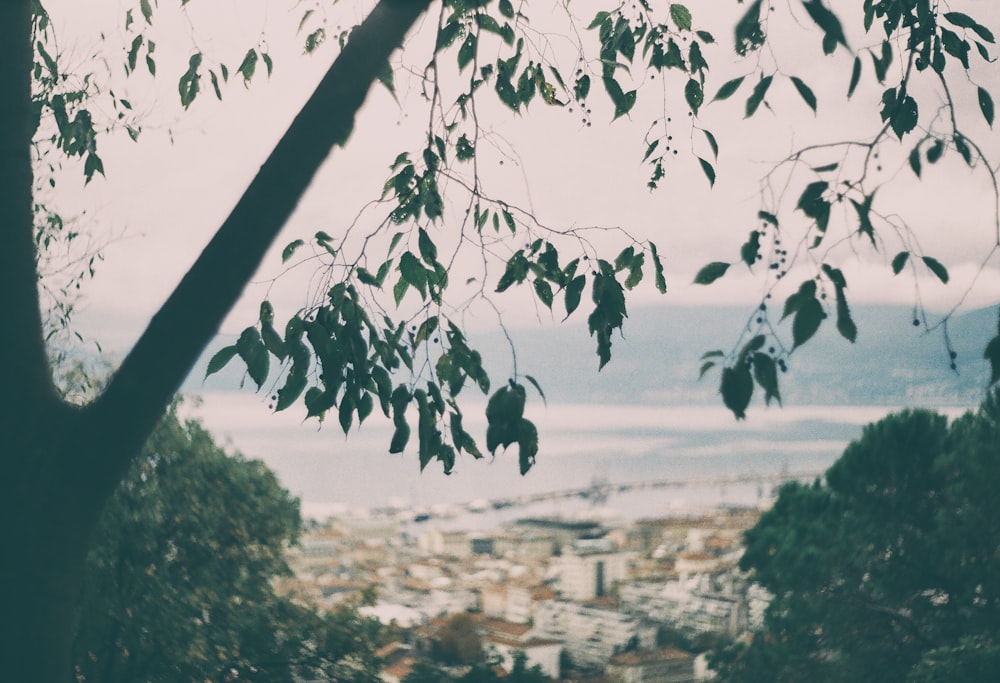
{"type": "Point", "coordinates": [667, 665]}
{"type": "Point", "coordinates": [592, 635]}
{"type": "Point", "coordinates": [503, 639]}
{"type": "Point", "coordinates": [695, 605]}
{"type": "Point", "coordinates": [588, 571]}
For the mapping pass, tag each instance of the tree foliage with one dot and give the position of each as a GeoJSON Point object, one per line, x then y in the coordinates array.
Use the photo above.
{"type": "Point", "coordinates": [179, 579]}
{"type": "Point", "coordinates": [458, 641]}
{"type": "Point", "coordinates": [888, 566]}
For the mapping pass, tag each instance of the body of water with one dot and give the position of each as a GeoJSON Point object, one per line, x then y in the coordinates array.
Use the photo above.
{"type": "Point", "coordinates": [579, 445]}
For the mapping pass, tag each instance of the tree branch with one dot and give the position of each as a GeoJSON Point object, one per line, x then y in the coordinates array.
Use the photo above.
{"type": "Point", "coordinates": [148, 378]}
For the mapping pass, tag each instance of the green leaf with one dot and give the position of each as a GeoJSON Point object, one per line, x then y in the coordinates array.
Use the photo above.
{"type": "Point", "coordinates": [399, 289]}
{"type": "Point", "coordinates": [400, 436]}
{"type": "Point", "coordinates": [751, 249]}
{"type": "Point", "coordinates": [248, 65]}
{"type": "Point", "coordinates": [609, 310]}
{"type": "Point", "coordinates": [855, 77]}
{"type": "Point", "coordinates": [428, 250]}
{"type": "Point", "coordinates": [509, 220]}
{"type": "Point", "coordinates": [345, 413]}
{"type": "Point", "coordinates": [992, 354]}
{"type": "Point", "coordinates": [506, 9]}
{"type": "Point", "coordinates": [694, 95]}
{"type": "Point", "coordinates": [962, 148]}
{"type": "Point", "coordinates": [955, 46]}
{"type": "Point", "coordinates": [253, 352]}
{"type": "Point", "coordinates": [650, 149]}
{"type": "Point", "coordinates": [272, 340]}
{"type": "Point", "coordinates": [447, 33]}
{"type": "Point", "coordinates": [965, 21]}
{"type": "Point", "coordinates": [863, 210]}
{"type": "Point", "coordinates": [467, 51]}
{"type": "Point", "coordinates": [712, 143]}
{"type": "Point", "coordinates": [317, 402]}
{"type": "Point", "coordinates": [902, 113]}
{"type": "Point", "coordinates": [289, 249]}
{"type": "Point", "coordinates": [768, 217]}
{"type": "Point", "coordinates": [935, 151]}
{"type": "Point", "coordinates": [527, 444]}
{"type": "Point", "coordinates": [813, 205]}
{"type": "Point", "coordinates": [269, 63]}
{"type": "Point", "coordinates": [914, 160]}
{"type": "Point", "coordinates": [705, 367]}
{"type": "Point", "coordinates": [413, 272]}
{"type": "Point", "coordinates": [574, 290]}
{"type": "Point", "coordinates": [711, 272]}
{"type": "Point", "coordinates": [845, 323]}
{"type": "Point", "coordinates": [488, 23]}
{"type": "Point", "coordinates": [220, 359]}
{"type": "Point", "coordinates": [806, 292]}
{"type": "Point", "coordinates": [807, 320]}
{"type": "Point", "coordinates": [187, 86]}
{"type": "Point", "coordinates": [757, 96]}
{"type": "Point", "coordinates": [986, 105]}
{"type": "Point", "coordinates": [537, 386]}
{"type": "Point", "coordinates": [504, 412]}
{"type": "Point", "coordinates": [659, 279]}
{"type": "Point", "coordinates": [749, 31]}
{"type": "Point", "coordinates": [883, 61]}
{"type": "Point", "coordinates": [708, 171]}
{"type": "Point", "coordinates": [681, 16]}
{"type": "Point", "coordinates": [806, 92]}
{"type": "Point", "coordinates": [835, 275]}
{"type": "Point", "coordinates": [635, 271]}
{"type": "Point", "coordinates": [827, 21]}
{"type": "Point", "coordinates": [728, 89]}
{"type": "Point", "coordinates": [623, 101]}
{"type": "Point", "coordinates": [91, 165]}
{"type": "Point", "coordinates": [294, 385]}
{"type": "Point", "coordinates": [899, 261]}
{"type": "Point", "coordinates": [544, 292]}
{"type": "Point", "coordinates": [766, 374]}
{"type": "Point", "coordinates": [147, 11]}
{"type": "Point", "coordinates": [935, 267]}
{"type": "Point", "coordinates": [736, 388]}
{"type": "Point", "coordinates": [215, 84]}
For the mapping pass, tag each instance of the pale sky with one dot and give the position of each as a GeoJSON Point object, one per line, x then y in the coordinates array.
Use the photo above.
{"type": "Point", "coordinates": [164, 196]}
{"type": "Point", "coordinates": [161, 201]}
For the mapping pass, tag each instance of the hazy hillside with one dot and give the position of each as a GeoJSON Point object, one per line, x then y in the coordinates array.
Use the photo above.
{"type": "Point", "coordinates": [892, 363]}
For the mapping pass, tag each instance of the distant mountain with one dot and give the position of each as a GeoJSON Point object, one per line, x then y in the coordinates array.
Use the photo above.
{"type": "Point", "coordinates": [893, 363]}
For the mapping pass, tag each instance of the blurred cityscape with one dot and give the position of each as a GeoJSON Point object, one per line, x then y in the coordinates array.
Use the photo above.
{"type": "Point", "coordinates": [587, 598]}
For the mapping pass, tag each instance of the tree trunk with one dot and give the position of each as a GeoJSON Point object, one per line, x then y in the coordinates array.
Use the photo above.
{"type": "Point", "coordinates": [46, 522]}
{"type": "Point", "coordinates": [59, 464]}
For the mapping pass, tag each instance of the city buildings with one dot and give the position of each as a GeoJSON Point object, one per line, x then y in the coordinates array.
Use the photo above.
{"type": "Point", "coordinates": [578, 598]}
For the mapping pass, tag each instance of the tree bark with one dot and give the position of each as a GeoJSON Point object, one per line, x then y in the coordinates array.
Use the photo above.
{"type": "Point", "coordinates": [59, 464]}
